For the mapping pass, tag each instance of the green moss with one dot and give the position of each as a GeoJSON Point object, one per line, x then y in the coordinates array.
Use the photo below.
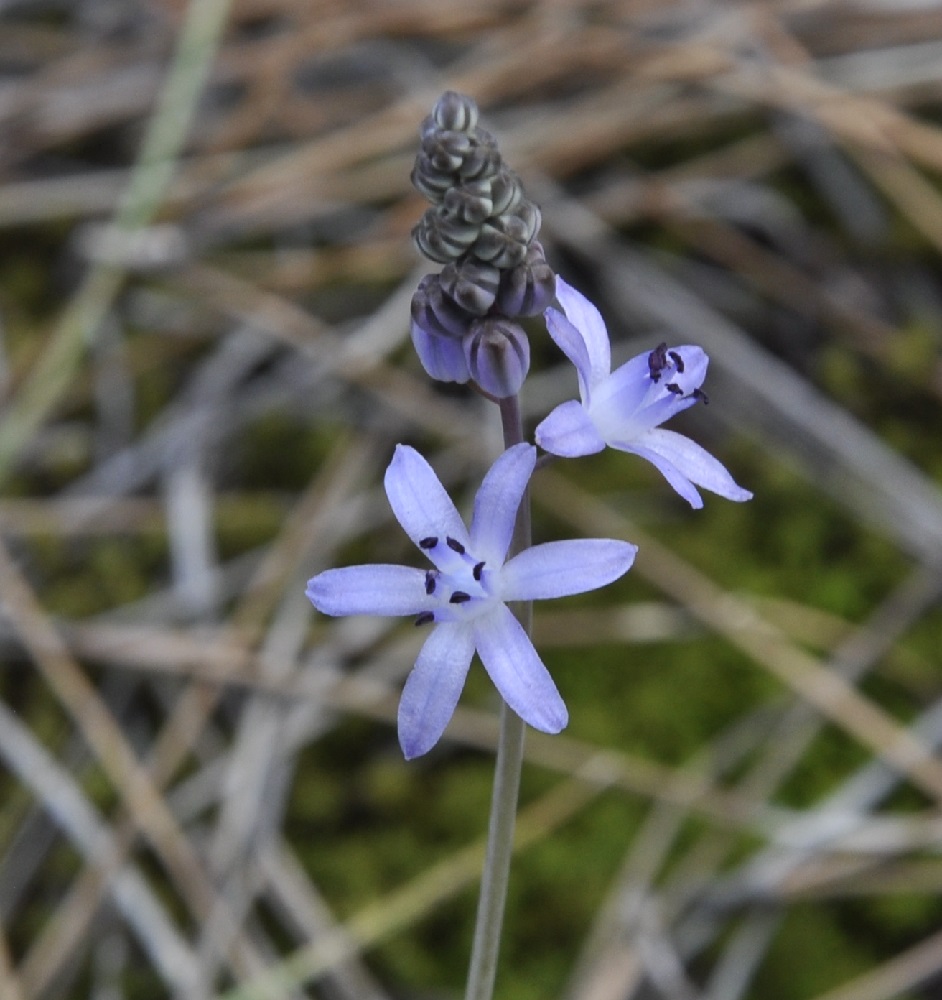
{"type": "Point", "coordinates": [809, 955]}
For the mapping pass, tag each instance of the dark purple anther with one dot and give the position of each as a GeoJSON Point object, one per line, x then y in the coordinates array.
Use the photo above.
{"type": "Point", "coordinates": [455, 545]}
{"type": "Point", "coordinates": [459, 597]}
{"type": "Point", "coordinates": [426, 618]}
{"type": "Point", "coordinates": [428, 543]}
{"type": "Point", "coordinates": [429, 581]}
{"type": "Point", "coordinates": [678, 360]}
{"type": "Point", "coordinates": [477, 571]}
{"type": "Point", "coordinates": [674, 388]}
{"type": "Point", "coordinates": [657, 362]}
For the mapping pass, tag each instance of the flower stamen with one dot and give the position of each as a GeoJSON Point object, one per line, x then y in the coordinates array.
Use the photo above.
{"type": "Point", "coordinates": [455, 545]}
{"type": "Point", "coordinates": [428, 543]}
{"type": "Point", "coordinates": [459, 597]}
{"type": "Point", "coordinates": [657, 362]}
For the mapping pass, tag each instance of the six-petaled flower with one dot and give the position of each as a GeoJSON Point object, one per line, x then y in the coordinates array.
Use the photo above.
{"type": "Point", "coordinates": [624, 409]}
{"type": "Point", "coordinates": [464, 596]}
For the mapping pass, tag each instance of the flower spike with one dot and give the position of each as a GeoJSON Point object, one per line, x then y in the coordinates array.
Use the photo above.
{"type": "Point", "coordinates": [624, 409]}
{"type": "Point", "coordinates": [484, 229]}
{"type": "Point", "coordinates": [464, 597]}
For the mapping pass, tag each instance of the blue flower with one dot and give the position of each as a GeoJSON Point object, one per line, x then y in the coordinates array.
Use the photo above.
{"type": "Point", "coordinates": [623, 409]}
{"type": "Point", "coordinates": [464, 596]}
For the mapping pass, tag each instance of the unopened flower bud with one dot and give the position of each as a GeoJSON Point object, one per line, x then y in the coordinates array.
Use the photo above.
{"type": "Point", "coordinates": [437, 312]}
{"type": "Point", "coordinates": [470, 202]}
{"type": "Point", "coordinates": [498, 355]}
{"type": "Point", "coordinates": [471, 284]}
{"type": "Point", "coordinates": [497, 247]}
{"type": "Point", "coordinates": [455, 112]}
{"type": "Point", "coordinates": [529, 216]}
{"type": "Point", "coordinates": [528, 288]}
{"type": "Point", "coordinates": [482, 160]}
{"type": "Point", "coordinates": [503, 240]}
{"type": "Point", "coordinates": [443, 237]}
{"type": "Point", "coordinates": [506, 191]}
{"type": "Point", "coordinates": [441, 357]}
{"type": "Point", "coordinates": [428, 181]}
{"type": "Point", "coordinates": [447, 151]}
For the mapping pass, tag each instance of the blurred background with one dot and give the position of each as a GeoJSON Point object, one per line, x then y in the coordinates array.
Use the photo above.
{"type": "Point", "coordinates": [205, 278]}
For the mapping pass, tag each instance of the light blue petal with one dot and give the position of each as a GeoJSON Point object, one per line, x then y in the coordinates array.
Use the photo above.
{"type": "Point", "coordinates": [683, 462]}
{"type": "Point", "coordinates": [558, 569]}
{"type": "Point", "coordinates": [369, 590]}
{"type": "Point", "coordinates": [569, 432]}
{"type": "Point", "coordinates": [442, 357]}
{"type": "Point", "coordinates": [695, 361]}
{"type": "Point", "coordinates": [696, 463]}
{"type": "Point", "coordinates": [433, 687]}
{"type": "Point", "coordinates": [570, 341]}
{"type": "Point", "coordinates": [588, 321]}
{"type": "Point", "coordinates": [627, 387]}
{"type": "Point", "coordinates": [669, 471]}
{"type": "Point", "coordinates": [420, 502]}
{"type": "Point", "coordinates": [517, 671]}
{"type": "Point", "coordinates": [665, 405]}
{"type": "Point", "coordinates": [496, 503]}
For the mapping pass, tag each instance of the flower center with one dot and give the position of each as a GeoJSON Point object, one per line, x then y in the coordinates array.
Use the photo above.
{"type": "Point", "coordinates": [461, 584]}
{"type": "Point", "coordinates": [645, 392]}
{"type": "Point", "coordinates": [667, 369]}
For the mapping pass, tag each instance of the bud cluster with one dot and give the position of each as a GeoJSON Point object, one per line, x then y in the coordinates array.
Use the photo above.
{"type": "Point", "coordinates": [482, 228]}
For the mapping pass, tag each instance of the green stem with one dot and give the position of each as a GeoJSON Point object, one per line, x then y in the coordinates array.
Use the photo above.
{"type": "Point", "coordinates": [507, 770]}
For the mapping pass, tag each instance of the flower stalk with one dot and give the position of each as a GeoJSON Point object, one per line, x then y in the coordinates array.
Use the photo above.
{"type": "Point", "coordinates": [500, 836]}
{"type": "Point", "coordinates": [507, 769]}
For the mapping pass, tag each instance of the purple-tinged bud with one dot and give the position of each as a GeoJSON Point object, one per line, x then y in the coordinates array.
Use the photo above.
{"type": "Point", "coordinates": [471, 284]}
{"type": "Point", "coordinates": [498, 355]}
{"type": "Point", "coordinates": [529, 288]}
{"type": "Point", "coordinates": [438, 313]}
{"type": "Point", "coordinates": [442, 357]}
{"type": "Point", "coordinates": [455, 112]}
{"type": "Point", "coordinates": [438, 324]}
